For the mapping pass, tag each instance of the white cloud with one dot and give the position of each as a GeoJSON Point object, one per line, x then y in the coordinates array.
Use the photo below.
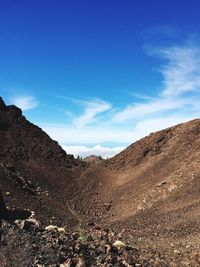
{"type": "Point", "coordinates": [89, 135]}
{"type": "Point", "coordinates": [98, 150]}
{"type": "Point", "coordinates": [181, 76]}
{"type": "Point", "coordinates": [92, 109]}
{"type": "Point", "coordinates": [147, 126]}
{"type": "Point", "coordinates": [139, 110]}
{"type": "Point", "coordinates": [182, 72]}
{"type": "Point", "coordinates": [25, 102]}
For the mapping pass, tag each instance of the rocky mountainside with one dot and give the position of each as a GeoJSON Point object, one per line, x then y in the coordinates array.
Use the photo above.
{"type": "Point", "coordinates": [151, 190]}
{"type": "Point", "coordinates": [34, 170]}
{"type": "Point", "coordinates": [149, 194]}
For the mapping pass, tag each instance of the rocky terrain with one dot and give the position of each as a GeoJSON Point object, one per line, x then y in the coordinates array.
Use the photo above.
{"type": "Point", "coordinates": [146, 197]}
{"type": "Point", "coordinates": [31, 165]}
{"type": "Point", "coordinates": [26, 243]}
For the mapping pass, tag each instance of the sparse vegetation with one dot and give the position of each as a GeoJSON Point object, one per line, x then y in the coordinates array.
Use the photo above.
{"type": "Point", "coordinates": [79, 158]}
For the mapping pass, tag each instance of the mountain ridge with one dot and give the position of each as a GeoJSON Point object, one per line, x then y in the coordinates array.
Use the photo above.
{"type": "Point", "coordinates": [30, 163]}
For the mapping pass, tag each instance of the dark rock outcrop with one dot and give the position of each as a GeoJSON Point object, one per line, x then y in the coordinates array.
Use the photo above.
{"type": "Point", "coordinates": [2, 104]}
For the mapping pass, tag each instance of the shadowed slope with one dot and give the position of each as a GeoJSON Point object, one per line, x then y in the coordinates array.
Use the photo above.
{"type": "Point", "coordinates": [34, 170]}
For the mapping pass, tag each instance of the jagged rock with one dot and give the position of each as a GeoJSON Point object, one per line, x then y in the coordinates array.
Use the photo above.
{"type": "Point", "coordinates": [2, 105]}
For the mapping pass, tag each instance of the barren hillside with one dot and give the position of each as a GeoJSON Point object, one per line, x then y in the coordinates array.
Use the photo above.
{"type": "Point", "coordinates": [35, 172]}
{"type": "Point", "coordinates": [150, 192]}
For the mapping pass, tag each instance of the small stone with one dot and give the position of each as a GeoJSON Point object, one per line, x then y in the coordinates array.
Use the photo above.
{"type": "Point", "coordinates": [67, 263]}
{"type": "Point", "coordinates": [176, 251]}
{"type": "Point", "coordinates": [91, 224]}
{"type": "Point", "coordinates": [51, 228]}
{"type": "Point", "coordinates": [119, 244]}
{"type": "Point", "coordinates": [108, 248]}
{"type": "Point", "coordinates": [79, 262]}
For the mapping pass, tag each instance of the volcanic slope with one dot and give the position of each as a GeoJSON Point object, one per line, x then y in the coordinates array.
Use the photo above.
{"type": "Point", "coordinates": [151, 190]}
{"type": "Point", "coordinates": [35, 172]}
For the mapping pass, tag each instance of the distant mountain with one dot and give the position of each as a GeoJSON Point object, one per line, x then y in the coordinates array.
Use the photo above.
{"type": "Point", "coordinates": [93, 159]}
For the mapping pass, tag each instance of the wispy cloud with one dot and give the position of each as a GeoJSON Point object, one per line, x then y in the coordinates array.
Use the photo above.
{"type": "Point", "coordinates": [25, 102]}
{"type": "Point", "coordinates": [157, 123]}
{"type": "Point", "coordinates": [181, 76]}
{"type": "Point", "coordinates": [152, 107]}
{"type": "Point", "coordinates": [92, 108]}
{"type": "Point", "coordinates": [182, 72]}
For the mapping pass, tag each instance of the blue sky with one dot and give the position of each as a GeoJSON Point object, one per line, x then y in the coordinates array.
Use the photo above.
{"type": "Point", "coordinates": [98, 75]}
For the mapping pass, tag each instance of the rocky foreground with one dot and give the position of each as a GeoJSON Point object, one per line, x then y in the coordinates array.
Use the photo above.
{"type": "Point", "coordinates": [27, 243]}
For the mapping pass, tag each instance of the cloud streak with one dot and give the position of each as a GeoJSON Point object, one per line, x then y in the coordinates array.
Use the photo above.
{"type": "Point", "coordinates": [152, 107]}
{"type": "Point", "coordinates": [92, 108]}
{"type": "Point", "coordinates": [181, 76]}
{"type": "Point", "coordinates": [182, 72]}
{"type": "Point", "coordinates": [25, 102]}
